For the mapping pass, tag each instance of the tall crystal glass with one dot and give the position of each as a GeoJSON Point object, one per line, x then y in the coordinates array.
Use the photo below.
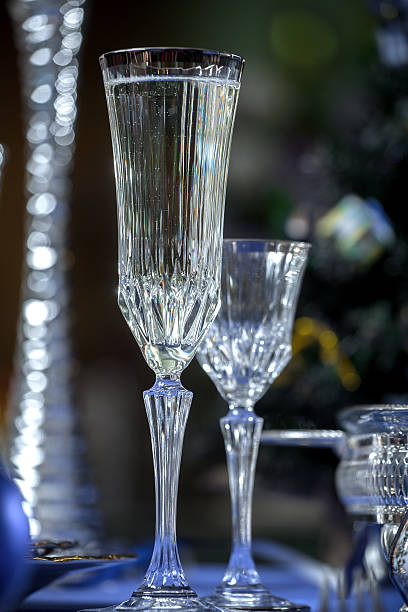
{"type": "Point", "coordinates": [247, 347]}
{"type": "Point", "coordinates": [171, 115]}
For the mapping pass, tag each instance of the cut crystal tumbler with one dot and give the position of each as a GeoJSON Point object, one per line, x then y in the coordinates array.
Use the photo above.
{"type": "Point", "coordinates": [171, 115]}
{"type": "Point", "coordinates": [247, 347]}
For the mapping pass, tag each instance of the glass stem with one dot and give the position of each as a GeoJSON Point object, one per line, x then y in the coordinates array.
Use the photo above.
{"type": "Point", "coordinates": [167, 406]}
{"type": "Point", "coordinates": [241, 429]}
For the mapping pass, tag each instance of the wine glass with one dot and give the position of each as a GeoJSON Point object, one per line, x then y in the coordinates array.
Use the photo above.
{"type": "Point", "coordinates": [247, 347]}
{"type": "Point", "coordinates": [171, 115]}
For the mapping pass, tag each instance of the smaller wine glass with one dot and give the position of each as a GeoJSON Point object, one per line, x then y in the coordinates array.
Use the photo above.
{"type": "Point", "coordinates": [246, 348]}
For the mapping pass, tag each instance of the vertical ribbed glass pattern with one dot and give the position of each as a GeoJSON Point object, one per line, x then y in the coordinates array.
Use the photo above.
{"type": "Point", "coordinates": [171, 140]}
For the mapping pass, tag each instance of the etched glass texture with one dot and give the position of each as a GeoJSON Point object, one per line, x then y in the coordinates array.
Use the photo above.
{"type": "Point", "coordinates": [250, 342]}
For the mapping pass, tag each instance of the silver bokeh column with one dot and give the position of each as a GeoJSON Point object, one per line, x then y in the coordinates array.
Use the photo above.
{"type": "Point", "coordinates": [46, 452]}
{"type": "Point", "coordinates": [2, 160]}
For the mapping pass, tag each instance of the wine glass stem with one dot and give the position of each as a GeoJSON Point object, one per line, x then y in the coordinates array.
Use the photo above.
{"type": "Point", "coordinates": [241, 429]}
{"type": "Point", "coordinates": [167, 406]}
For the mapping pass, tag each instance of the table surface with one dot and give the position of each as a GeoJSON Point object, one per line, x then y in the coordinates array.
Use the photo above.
{"type": "Point", "coordinates": [100, 588]}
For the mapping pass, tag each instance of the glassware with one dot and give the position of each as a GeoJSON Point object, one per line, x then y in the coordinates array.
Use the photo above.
{"type": "Point", "coordinates": [171, 114]}
{"type": "Point", "coordinates": [246, 348]}
{"type": "Point", "coordinates": [371, 480]}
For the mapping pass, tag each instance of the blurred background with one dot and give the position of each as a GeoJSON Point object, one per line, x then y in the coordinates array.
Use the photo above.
{"type": "Point", "coordinates": [319, 153]}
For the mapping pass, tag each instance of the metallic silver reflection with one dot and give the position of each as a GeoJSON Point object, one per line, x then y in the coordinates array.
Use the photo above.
{"type": "Point", "coordinates": [45, 451]}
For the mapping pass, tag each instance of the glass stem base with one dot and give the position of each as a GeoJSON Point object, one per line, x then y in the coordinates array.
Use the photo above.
{"type": "Point", "coordinates": [241, 429]}
{"type": "Point", "coordinates": [188, 603]}
{"type": "Point", "coordinates": [167, 407]}
{"type": "Point", "coordinates": [166, 604]}
{"type": "Point", "coordinates": [250, 597]}
{"type": "Point", "coordinates": [164, 586]}
{"type": "Point", "coordinates": [241, 587]}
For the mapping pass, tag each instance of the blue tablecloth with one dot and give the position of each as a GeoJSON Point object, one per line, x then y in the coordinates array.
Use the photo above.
{"type": "Point", "coordinates": [102, 589]}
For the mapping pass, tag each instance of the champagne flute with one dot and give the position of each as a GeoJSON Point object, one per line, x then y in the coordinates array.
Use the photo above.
{"type": "Point", "coordinates": [247, 347]}
{"type": "Point", "coordinates": [171, 113]}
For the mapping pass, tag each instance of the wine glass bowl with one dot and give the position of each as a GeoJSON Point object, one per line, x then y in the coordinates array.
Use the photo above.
{"type": "Point", "coordinates": [171, 122]}
{"type": "Point", "coordinates": [250, 342]}
{"type": "Point", "coordinates": [246, 348]}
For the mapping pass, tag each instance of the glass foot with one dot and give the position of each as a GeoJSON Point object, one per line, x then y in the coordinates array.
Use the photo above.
{"type": "Point", "coordinates": [251, 597]}
{"type": "Point", "coordinates": [158, 604]}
